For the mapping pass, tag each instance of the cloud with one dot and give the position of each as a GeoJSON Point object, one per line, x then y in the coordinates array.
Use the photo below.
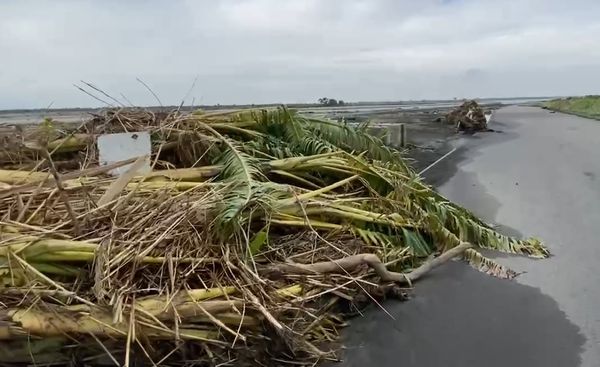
{"type": "Point", "coordinates": [257, 51]}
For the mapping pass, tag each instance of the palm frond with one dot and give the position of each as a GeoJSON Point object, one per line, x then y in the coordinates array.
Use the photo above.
{"type": "Point", "coordinates": [355, 140]}
{"type": "Point", "coordinates": [237, 166]}
{"type": "Point", "coordinates": [467, 227]}
{"type": "Point", "coordinates": [281, 123]}
{"type": "Point", "coordinates": [487, 265]}
{"type": "Point", "coordinates": [287, 130]}
{"type": "Point", "coordinates": [416, 241]}
{"type": "Point", "coordinates": [239, 172]}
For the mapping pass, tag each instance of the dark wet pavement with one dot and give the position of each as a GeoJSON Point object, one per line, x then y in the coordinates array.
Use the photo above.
{"type": "Point", "coordinates": [538, 177]}
{"type": "Point", "coordinates": [459, 317]}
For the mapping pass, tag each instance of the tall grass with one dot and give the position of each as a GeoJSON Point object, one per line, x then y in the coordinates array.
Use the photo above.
{"type": "Point", "coordinates": [588, 106]}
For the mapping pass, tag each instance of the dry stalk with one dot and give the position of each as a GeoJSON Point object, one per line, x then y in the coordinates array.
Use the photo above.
{"type": "Point", "coordinates": [61, 191]}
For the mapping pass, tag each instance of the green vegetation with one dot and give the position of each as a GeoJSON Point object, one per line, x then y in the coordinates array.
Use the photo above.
{"type": "Point", "coordinates": [588, 106]}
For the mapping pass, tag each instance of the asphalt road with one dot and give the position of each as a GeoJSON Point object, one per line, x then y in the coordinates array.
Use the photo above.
{"type": "Point", "coordinates": [540, 176]}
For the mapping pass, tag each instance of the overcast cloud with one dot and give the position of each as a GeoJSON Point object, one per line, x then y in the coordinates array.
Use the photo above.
{"type": "Point", "coordinates": [260, 51]}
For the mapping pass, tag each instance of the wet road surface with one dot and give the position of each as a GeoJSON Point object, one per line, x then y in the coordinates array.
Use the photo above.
{"type": "Point", "coordinates": [540, 176]}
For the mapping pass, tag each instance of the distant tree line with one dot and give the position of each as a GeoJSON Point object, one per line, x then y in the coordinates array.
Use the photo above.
{"type": "Point", "coordinates": [330, 102]}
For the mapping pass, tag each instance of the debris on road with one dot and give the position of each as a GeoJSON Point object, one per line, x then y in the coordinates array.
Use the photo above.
{"type": "Point", "coordinates": [468, 117]}
{"type": "Point", "coordinates": [252, 238]}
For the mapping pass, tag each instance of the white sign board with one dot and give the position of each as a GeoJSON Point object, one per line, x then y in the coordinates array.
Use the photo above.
{"type": "Point", "coordinates": [119, 147]}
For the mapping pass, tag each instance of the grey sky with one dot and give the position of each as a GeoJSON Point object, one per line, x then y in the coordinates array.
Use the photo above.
{"type": "Point", "coordinates": [258, 51]}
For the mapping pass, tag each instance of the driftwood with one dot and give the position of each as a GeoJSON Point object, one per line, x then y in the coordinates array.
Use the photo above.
{"type": "Point", "coordinates": [350, 263]}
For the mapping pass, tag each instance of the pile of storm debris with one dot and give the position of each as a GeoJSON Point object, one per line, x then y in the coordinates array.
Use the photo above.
{"type": "Point", "coordinates": [468, 117]}
{"type": "Point", "coordinates": [248, 239]}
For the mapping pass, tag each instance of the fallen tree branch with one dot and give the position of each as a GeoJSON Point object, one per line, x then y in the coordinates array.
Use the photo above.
{"type": "Point", "coordinates": [350, 263]}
